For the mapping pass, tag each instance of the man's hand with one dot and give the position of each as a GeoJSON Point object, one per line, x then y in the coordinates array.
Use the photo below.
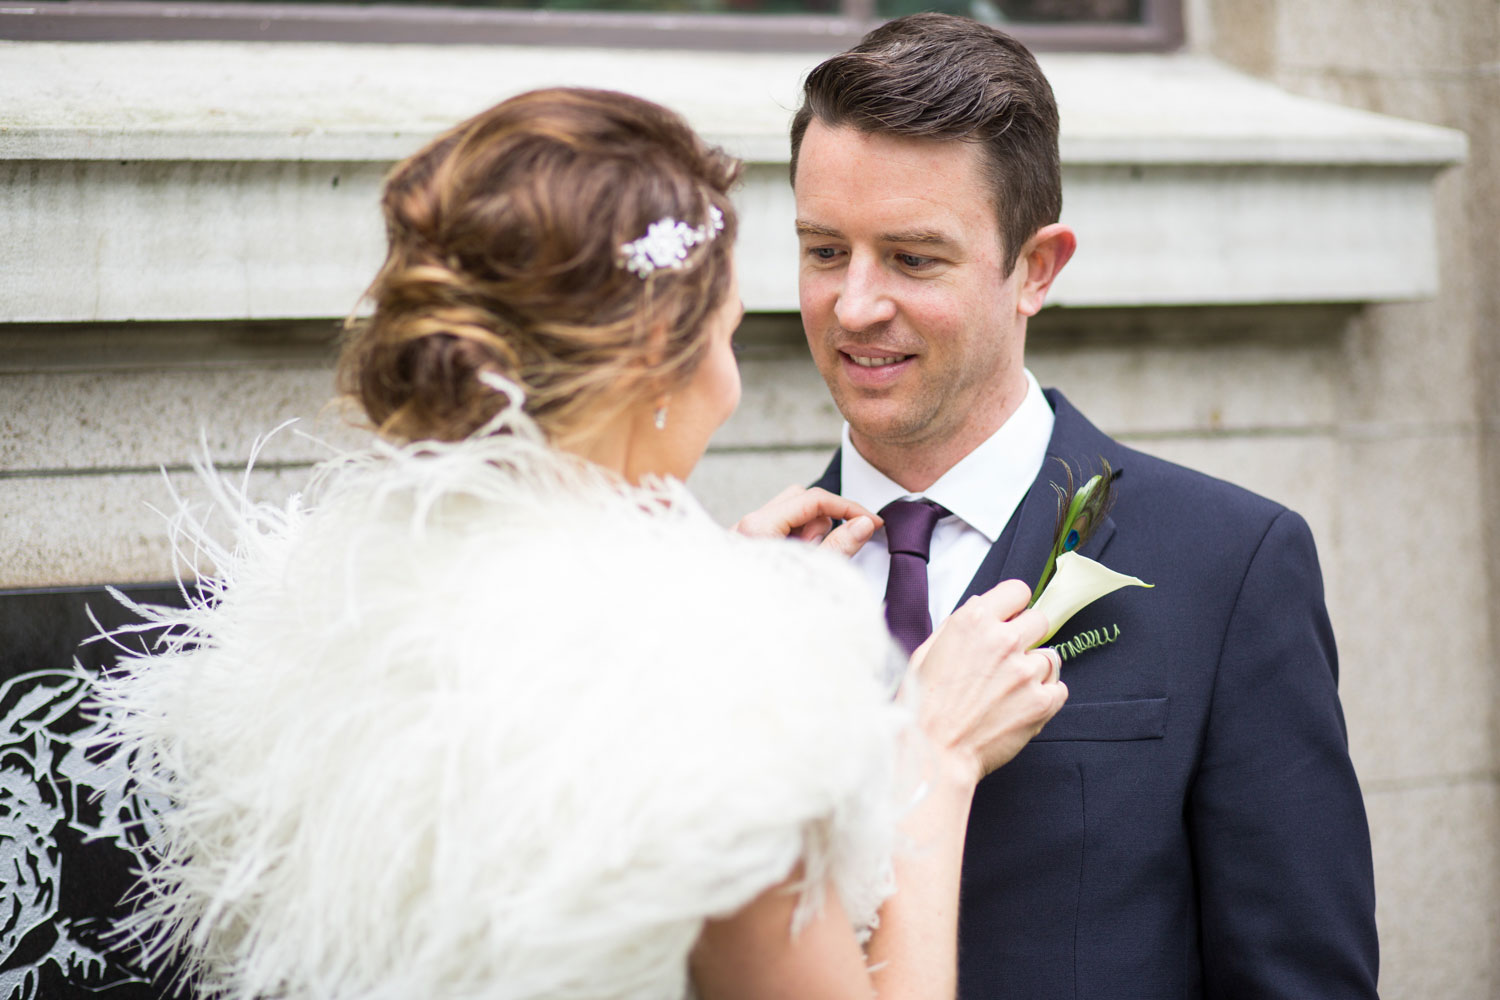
{"type": "Point", "coordinates": [808, 515]}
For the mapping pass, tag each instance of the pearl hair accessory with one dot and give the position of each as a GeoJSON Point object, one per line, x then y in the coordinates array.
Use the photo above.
{"type": "Point", "coordinates": [666, 243]}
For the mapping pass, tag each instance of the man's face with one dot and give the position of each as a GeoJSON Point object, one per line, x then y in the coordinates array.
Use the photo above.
{"type": "Point", "coordinates": [911, 320]}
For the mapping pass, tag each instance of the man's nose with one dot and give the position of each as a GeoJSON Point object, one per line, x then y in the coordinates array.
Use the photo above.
{"type": "Point", "coordinates": [864, 300]}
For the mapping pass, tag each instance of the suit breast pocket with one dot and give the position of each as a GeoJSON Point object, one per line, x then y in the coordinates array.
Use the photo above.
{"type": "Point", "coordinates": [1107, 722]}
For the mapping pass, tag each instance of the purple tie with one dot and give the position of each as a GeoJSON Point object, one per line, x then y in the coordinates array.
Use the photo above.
{"type": "Point", "coordinates": [908, 534]}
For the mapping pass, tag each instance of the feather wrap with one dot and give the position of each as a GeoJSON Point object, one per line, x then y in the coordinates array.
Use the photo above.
{"type": "Point", "coordinates": [473, 720]}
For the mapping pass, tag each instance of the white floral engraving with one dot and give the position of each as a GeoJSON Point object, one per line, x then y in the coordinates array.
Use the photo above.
{"type": "Point", "coordinates": [48, 786]}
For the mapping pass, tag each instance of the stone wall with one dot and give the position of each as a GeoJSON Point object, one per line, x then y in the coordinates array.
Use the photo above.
{"type": "Point", "coordinates": [1417, 552]}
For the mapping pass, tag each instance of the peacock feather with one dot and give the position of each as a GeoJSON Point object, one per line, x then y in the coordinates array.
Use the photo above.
{"type": "Point", "coordinates": [1080, 509]}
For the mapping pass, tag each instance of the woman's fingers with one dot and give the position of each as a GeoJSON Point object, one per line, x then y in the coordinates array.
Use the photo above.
{"type": "Point", "coordinates": [1032, 627]}
{"type": "Point", "coordinates": [849, 537]}
{"type": "Point", "coordinates": [985, 690]}
{"type": "Point", "coordinates": [806, 513]}
{"type": "Point", "coordinates": [813, 531]}
{"type": "Point", "coordinates": [1007, 601]}
{"type": "Point", "coordinates": [819, 503]}
{"type": "Point", "coordinates": [1004, 600]}
{"type": "Point", "coordinates": [1053, 672]}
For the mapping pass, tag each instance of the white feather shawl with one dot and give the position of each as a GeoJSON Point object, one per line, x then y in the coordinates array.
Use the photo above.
{"type": "Point", "coordinates": [474, 721]}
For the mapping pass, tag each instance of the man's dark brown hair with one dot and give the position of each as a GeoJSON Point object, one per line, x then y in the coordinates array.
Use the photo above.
{"type": "Point", "coordinates": [936, 76]}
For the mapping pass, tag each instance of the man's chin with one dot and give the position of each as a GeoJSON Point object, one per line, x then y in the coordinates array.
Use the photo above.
{"type": "Point", "coordinates": [880, 431]}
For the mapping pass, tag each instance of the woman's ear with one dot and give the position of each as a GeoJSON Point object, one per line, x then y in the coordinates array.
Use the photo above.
{"type": "Point", "coordinates": [646, 378]}
{"type": "Point", "coordinates": [1044, 256]}
{"type": "Point", "coordinates": [655, 346]}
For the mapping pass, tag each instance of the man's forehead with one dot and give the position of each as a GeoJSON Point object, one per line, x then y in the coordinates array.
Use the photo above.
{"type": "Point", "coordinates": [903, 170]}
{"type": "Point", "coordinates": [895, 189]}
{"type": "Point", "coordinates": [957, 157]}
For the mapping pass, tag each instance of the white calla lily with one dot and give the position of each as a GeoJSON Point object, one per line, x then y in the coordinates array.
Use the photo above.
{"type": "Point", "coordinates": [1078, 582]}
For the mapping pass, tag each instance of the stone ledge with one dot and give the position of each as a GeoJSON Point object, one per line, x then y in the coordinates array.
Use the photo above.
{"type": "Point", "coordinates": [132, 189]}
{"type": "Point", "coordinates": [376, 102]}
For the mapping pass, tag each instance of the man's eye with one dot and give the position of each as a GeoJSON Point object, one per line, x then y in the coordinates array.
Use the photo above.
{"type": "Point", "coordinates": [912, 261]}
{"type": "Point", "coordinates": [823, 253]}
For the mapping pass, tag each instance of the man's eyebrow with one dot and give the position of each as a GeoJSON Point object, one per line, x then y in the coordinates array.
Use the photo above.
{"type": "Point", "coordinates": [917, 237]}
{"type": "Point", "coordinates": [813, 229]}
{"type": "Point", "coordinates": [923, 237]}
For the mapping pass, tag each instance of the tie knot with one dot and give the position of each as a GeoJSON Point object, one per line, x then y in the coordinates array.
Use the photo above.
{"type": "Point", "coordinates": [909, 524]}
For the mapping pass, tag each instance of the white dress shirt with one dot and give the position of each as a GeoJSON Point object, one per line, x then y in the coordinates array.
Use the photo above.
{"type": "Point", "coordinates": [982, 491]}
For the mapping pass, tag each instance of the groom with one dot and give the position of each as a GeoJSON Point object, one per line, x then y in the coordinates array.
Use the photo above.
{"type": "Point", "coordinates": [1189, 825]}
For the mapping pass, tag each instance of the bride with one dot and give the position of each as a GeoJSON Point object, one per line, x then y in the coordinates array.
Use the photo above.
{"type": "Point", "coordinates": [494, 709]}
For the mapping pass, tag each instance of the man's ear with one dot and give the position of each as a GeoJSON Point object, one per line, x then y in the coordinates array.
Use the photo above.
{"type": "Point", "coordinates": [1044, 256]}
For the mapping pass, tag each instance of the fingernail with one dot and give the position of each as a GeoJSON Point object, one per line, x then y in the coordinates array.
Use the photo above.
{"type": "Point", "coordinates": [862, 527]}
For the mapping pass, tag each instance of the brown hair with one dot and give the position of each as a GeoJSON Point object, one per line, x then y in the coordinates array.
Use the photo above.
{"type": "Point", "coordinates": [505, 237]}
{"type": "Point", "coordinates": [938, 76]}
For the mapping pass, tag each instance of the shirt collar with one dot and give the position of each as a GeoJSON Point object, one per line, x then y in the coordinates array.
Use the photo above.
{"type": "Point", "coordinates": [985, 486]}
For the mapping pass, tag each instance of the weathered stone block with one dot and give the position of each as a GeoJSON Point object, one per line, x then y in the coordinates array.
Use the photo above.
{"type": "Point", "coordinates": [143, 419]}
{"type": "Point", "coordinates": [1412, 609]}
{"type": "Point", "coordinates": [82, 529]}
{"type": "Point", "coordinates": [1437, 886]}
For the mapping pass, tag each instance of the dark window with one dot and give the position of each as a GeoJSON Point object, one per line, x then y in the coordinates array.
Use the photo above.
{"type": "Point", "coordinates": [815, 25]}
{"type": "Point", "coordinates": [1019, 12]}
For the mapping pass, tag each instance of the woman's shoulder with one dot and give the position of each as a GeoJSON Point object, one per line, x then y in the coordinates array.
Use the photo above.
{"type": "Point", "coordinates": [454, 694]}
{"type": "Point", "coordinates": [505, 544]}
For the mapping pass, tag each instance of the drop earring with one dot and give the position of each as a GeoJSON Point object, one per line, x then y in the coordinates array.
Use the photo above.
{"type": "Point", "coordinates": [660, 417]}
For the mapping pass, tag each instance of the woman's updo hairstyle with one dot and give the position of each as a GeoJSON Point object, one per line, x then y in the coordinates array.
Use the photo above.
{"type": "Point", "coordinates": [505, 257]}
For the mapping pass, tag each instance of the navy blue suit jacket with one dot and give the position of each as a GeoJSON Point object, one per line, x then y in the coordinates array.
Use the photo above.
{"type": "Point", "coordinates": [1189, 825]}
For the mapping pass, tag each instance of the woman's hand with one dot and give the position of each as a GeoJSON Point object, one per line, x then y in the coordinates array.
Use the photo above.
{"type": "Point", "coordinates": [808, 514]}
{"type": "Point", "coordinates": [984, 693]}
{"type": "Point", "coordinates": [982, 697]}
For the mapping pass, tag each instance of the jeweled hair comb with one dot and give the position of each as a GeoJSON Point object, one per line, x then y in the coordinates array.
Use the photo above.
{"type": "Point", "coordinates": [667, 242]}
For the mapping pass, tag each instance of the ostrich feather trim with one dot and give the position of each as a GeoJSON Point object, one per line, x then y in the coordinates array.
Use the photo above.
{"type": "Point", "coordinates": [474, 720]}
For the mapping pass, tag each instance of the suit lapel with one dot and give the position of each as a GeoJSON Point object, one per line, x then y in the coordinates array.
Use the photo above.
{"type": "Point", "coordinates": [1022, 548]}
{"type": "Point", "coordinates": [833, 476]}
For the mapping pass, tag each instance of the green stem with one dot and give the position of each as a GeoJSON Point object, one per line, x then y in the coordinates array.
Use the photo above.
{"type": "Point", "coordinates": [1075, 507]}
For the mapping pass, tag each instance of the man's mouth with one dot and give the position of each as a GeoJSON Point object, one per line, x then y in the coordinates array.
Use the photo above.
{"type": "Point", "coordinates": [879, 361]}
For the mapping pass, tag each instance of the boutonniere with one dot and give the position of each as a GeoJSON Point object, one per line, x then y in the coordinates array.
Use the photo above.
{"type": "Point", "coordinates": [1070, 582]}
